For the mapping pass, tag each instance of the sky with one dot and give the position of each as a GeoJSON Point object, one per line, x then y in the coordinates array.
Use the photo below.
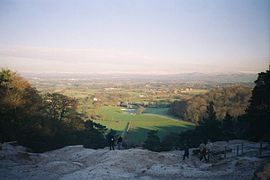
{"type": "Point", "coordinates": [135, 36]}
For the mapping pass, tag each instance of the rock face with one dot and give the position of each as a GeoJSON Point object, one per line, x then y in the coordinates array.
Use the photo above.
{"type": "Point", "coordinates": [76, 162]}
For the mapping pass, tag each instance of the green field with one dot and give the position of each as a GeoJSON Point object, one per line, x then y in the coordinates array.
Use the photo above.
{"type": "Point", "coordinates": [160, 111]}
{"type": "Point", "coordinates": [115, 119]}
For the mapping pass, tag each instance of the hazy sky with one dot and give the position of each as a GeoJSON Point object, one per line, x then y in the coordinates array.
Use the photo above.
{"type": "Point", "coordinates": [136, 36]}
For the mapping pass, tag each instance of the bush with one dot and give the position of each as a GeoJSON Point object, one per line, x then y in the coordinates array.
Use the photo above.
{"type": "Point", "coordinates": [152, 141]}
{"type": "Point", "coordinates": [170, 142]}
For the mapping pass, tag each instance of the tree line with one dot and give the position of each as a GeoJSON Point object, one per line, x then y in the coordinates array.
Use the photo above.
{"type": "Point", "coordinates": [253, 124]}
{"type": "Point", "coordinates": [228, 100]}
{"type": "Point", "coordinates": [43, 122]}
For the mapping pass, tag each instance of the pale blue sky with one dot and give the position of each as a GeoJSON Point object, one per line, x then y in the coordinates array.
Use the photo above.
{"type": "Point", "coordinates": [136, 36]}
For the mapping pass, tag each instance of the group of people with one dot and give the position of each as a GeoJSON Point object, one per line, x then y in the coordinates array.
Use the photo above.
{"type": "Point", "coordinates": [204, 151]}
{"type": "Point", "coordinates": [111, 141]}
{"type": "Point", "coordinates": [204, 148]}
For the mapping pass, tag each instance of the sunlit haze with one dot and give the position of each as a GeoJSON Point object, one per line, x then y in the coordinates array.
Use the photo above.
{"type": "Point", "coordinates": [144, 37]}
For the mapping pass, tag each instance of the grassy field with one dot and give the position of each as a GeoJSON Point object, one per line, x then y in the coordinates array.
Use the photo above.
{"type": "Point", "coordinates": [141, 123]}
{"type": "Point", "coordinates": [197, 91]}
{"type": "Point", "coordinates": [161, 112]}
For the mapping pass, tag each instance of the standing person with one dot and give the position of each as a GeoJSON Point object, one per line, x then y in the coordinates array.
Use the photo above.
{"type": "Point", "coordinates": [186, 152]}
{"type": "Point", "coordinates": [111, 142]}
{"type": "Point", "coordinates": [203, 152]}
{"type": "Point", "coordinates": [119, 142]}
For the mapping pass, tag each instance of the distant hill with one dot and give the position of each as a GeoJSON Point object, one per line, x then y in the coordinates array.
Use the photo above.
{"type": "Point", "coordinates": [183, 77]}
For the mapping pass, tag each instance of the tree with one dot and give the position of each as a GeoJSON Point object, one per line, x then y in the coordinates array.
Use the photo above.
{"type": "Point", "coordinates": [39, 123]}
{"type": "Point", "coordinates": [178, 108]}
{"type": "Point", "coordinates": [111, 133]}
{"type": "Point", "coordinates": [92, 125]}
{"type": "Point", "coordinates": [228, 100]}
{"type": "Point", "coordinates": [228, 127]}
{"type": "Point", "coordinates": [19, 102]}
{"type": "Point", "coordinates": [60, 107]}
{"type": "Point", "coordinates": [93, 135]}
{"type": "Point", "coordinates": [258, 112]}
{"type": "Point", "coordinates": [170, 141]}
{"type": "Point", "coordinates": [152, 141]}
{"type": "Point", "coordinates": [140, 110]}
{"type": "Point", "coordinates": [210, 126]}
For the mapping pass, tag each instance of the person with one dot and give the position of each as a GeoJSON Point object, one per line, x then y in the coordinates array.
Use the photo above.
{"type": "Point", "coordinates": [209, 149]}
{"type": "Point", "coordinates": [119, 142]}
{"type": "Point", "coordinates": [203, 152]}
{"type": "Point", "coordinates": [186, 152]}
{"type": "Point", "coordinates": [111, 142]}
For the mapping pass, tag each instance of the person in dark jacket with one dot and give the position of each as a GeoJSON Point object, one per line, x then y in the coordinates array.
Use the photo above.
{"type": "Point", "coordinates": [119, 142]}
{"type": "Point", "coordinates": [111, 142]}
{"type": "Point", "coordinates": [186, 152]}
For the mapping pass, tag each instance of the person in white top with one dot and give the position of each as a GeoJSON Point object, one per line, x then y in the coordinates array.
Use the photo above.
{"type": "Point", "coordinates": [202, 149]}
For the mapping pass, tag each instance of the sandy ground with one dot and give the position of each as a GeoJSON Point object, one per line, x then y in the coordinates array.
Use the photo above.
{"type": "Point", "coordinates": [76, 162]}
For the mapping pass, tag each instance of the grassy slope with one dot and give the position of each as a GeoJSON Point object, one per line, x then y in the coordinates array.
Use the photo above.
{"type": "Point", "coordinates": [160, 111]}
{"type": "Point", "coordinates": [114, 118]}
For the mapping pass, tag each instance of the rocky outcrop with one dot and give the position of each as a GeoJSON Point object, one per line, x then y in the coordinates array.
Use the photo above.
{"type": "Point", "coordinates": [76, 162]}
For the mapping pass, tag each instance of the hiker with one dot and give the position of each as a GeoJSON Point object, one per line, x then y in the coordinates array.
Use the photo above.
{"type": "Point", "coordinates": [186, 152]}
{"type": "Point", "coordinates": [119, 142]}
{"type": "Point", "coordinates": [111, 142]}
{"type": "Point", "coordinates": [209, 146]}
{"type": "Point", "coordinates": [203, 152]}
